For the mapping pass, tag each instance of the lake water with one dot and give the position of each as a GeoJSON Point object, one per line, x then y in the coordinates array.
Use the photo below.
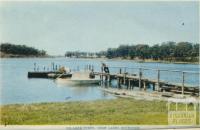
{"type": "Point", "coordinates": [17, 88]}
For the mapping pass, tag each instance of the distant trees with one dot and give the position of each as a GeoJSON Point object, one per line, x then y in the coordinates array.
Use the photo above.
{"type": "Point", "coordinates": [78, 54]}
{"type": "Point", "coordinates": [100, 54]}
{"type": "Point", "coordinates": [195, 50]}
{"type": "Point", "coordinates": [166, 50]}
{"type": "Point", "coordinates": [20, 50]}
{"type": "Point", "coordinates": [169, 51]}
{"type": "Point", "coordinates": [72, 54]}
{"type": "Point", "coordinates": [182, 51]}
{"type": "Point", "coordinates": [111, 53]}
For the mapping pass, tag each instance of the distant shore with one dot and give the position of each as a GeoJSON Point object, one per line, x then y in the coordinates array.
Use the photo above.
{"type": "Point", "coordinates": [169, 62]}
{"type": "Point", "coordinates": [141, 61]}
{"type": "Point", "coordinates": [3, 55]}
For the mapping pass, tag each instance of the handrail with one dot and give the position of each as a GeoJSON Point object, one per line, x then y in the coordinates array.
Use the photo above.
{"type": "Point", "coordinates": [143, 68]}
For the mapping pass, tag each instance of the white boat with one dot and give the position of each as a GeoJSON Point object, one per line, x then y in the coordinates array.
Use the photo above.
{"type": "Point", "coordinates": [79, 78]}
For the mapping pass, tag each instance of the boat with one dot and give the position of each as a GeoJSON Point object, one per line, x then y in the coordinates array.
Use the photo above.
{"type": "Point", "coordinates": [61, 75]}
{"type": "Point", "coordinates": [79, 78]}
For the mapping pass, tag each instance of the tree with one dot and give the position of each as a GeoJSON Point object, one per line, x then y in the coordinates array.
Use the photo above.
{"type": "Point", "coordinates": [183, 50]}
{"type": "Point", "coordinates": [9, 48]}
{"type": "Point", "coordinates": [142, 51]}
{"type": "Point", "coordinates": [195, 50]}
{"type": "Point", "coordinates": [166, 50]}
{"type": "Point", "coordinates": [122, 51]}
{"type": "Point", "coordinates": [110, 53]}
{"type": "Point", "coordinates": [132, 52]}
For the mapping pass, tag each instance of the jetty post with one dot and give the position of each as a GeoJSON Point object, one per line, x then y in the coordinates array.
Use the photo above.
{"type": "Point", "coordinates": [92, 67]}
{"type": "Point", "coordinates": [145, 87]}
{"type": "Point", "coordinates": [101, 76]}
{"type": "Point", "coordinates": [120, 70]}
{"type": "Point", "coordinates": [34, 66]}
{"type": "Point", "coordinates": [56, 68]}
{"type": "Point", "coordinates": [129, 83]}
{"type": "Point", "coordinates": [158, 80]}
{"type": "Point", "coordinates": [52, 65]}
{"type": "Point", "coordinates": [140, 77]}
{"type": "Point", "coordinates": [125, 76]}
{"type": "Point", "coordinates": [89, 67]}
{"type": "Point", "coordinates": [183, 81]}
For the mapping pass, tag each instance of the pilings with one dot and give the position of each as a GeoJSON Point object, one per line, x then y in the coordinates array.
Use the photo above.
{"type": "Point", "coordinates": [129, 81]}
{"type": "Point", "coordinates": [53, 67]}
{"type": "Point", "coordinates": [140, 77]}
{"type": "Point", "coordinates": [158, 80]}
{"type": "Point", "coordinates": [183, 80]}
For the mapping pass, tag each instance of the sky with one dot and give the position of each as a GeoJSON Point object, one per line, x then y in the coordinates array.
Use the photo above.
{"type": "Point", "coordinates": [58, 27]}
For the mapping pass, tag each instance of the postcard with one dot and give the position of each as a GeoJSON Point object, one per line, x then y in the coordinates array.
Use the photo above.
{"type": "Point", "coordinates": [99, 65]}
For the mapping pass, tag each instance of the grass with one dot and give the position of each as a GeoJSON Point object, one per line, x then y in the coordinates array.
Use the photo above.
{"type": "Point", "coordinates": [120, 111]}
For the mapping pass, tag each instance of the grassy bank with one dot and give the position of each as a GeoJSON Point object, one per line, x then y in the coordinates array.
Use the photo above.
{"type": "Point", "coordinates": [118, 111]}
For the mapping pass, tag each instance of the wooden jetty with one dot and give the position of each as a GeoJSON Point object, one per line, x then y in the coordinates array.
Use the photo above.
{"type": "Point", "coordinates": [138, 80]}
{"type": "Point", "coordinates": [53, 71]}
{"type": "Point", "coordinates": [47, 74]}
{"type": "Point", "coordinates": [38, 74]}
{"type": "Point", "coordinates": [130, 79]}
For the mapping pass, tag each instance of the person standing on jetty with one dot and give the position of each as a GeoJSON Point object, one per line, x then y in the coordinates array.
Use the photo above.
{"type": "Point", "coordinates": [105, 68]}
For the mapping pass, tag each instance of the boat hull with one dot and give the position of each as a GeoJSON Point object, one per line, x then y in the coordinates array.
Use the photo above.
{"type": "Point", "coordinates": [77, 82]}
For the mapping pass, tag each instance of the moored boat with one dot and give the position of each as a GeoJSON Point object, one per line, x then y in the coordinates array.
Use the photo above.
{"type": "Point", "coordinates": [79, 78]}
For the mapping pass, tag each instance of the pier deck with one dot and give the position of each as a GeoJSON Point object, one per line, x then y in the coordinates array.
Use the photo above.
{"type": "Point", "coordinates": [137, 80]}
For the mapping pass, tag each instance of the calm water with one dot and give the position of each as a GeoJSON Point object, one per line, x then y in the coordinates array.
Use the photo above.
{"type": "Point", "coordinates": [17, 88]}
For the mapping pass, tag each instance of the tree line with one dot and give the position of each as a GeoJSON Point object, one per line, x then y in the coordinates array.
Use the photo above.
{"type": "Point", "coordinates": [79, 54]}
{"type": "Point", "coordinates": [171, 51]}
{"type": "Point", "coordinates": [9, 48]}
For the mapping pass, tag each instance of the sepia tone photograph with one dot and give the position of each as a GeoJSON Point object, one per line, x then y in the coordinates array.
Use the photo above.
{"type": "Point", "coordinates": [99, 65]}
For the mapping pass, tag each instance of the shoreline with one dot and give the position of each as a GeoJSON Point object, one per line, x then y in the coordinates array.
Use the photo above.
{"type": "Point", "coordinates": [147, 61]}
{"type": "Point", "coordinates": [149, 96]}
{"type": "Point", "coordinates": [146, 96]}
{"type": "Point", "coordinates": [6, 55]}
{"type": "Point", "coordinates": [140, 61]}
{"type": "Point", "coordinates": [112, 59]}
{"type": "Point", "coordinates": [23, 56]}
